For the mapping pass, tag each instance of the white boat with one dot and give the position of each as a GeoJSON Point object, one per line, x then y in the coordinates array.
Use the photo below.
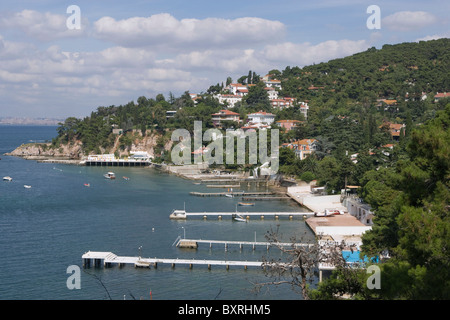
{"type": "Point", "coordinates": [239, 218]}
{"type": "Point", "coordinates": [27, 186]}
{"type": "Point", "coordinates": [110, 175]}
{"type": "Point", "coordinates": [333, 212]}
{"type": "Point", "coordinates": [7, 178]}
{"type": "Point", "coordinates": [178, 214]}
{"type": "Point", "coordinates": [328, 213]}
{"type": "Point", "coordinates": [246, 204]}
{"type": "Point", "coordinates": [229, 195]}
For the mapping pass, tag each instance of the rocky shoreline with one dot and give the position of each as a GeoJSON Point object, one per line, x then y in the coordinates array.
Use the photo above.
{"type": "Point", "coordinates": [45, 151]}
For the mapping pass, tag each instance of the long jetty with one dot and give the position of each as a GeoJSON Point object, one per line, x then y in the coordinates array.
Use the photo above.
{"type": "Point", "coordinates": [109, 259]}
{"type": "Point", "coordinates": [234, 194]}
{"type": "Point", "coordinates": [193, 243]}
{"type": "Point", "coordinates": [182, 214]}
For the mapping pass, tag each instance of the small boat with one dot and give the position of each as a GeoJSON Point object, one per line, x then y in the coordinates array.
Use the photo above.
{"type": "Point", "coordinates": [239, 218]}
{"type": "Point", "coordinates": [247, 204]}
{"type": "Point", "coordinates": [334, 212]}
{"type": "Point", "coordinates": [328, 213]}
{"type": "Point", "coordinates": [27, 186]}
{"type": "Point", "coordinates": [126, 178]}
{"type": "Point", "coordinates": [109, 175]}
{"type": "Point", "coordinates": [7, 178]}
{"type": "Point", "coordinates": [229, 195]}
{"type": "Point", "coordinates": [178, 214]}
{"type": "Point", "coordinates": [87, 184]}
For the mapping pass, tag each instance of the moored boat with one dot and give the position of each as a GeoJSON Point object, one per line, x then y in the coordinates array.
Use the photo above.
{"type": "Point", "coordinates": [246, 204]}
{"type": "Point", "coordinates": [7, 178]}
{"type": "Point", "coordinates": [239, 218]}
{"type": "Point", "coordinates": [110, 175]}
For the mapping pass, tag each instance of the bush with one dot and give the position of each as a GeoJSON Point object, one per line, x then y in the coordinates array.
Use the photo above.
{"type": "Point", "coordinates": [307, 176]}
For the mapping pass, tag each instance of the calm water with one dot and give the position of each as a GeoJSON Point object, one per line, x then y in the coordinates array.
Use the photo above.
{"type": "Point", "coordinates": [47, 228]}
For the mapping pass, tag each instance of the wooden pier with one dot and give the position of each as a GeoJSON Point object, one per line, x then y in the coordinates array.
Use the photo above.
{"type": "Point", "coordinates": [182, 214]}
{"type": "Point", "coordinates": [109, 259]}
{"type": "Point", "coordinates": [191, 243]}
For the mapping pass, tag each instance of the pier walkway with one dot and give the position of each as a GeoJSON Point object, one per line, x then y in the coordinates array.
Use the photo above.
{"type": "Point", "coordinates": [226, 194]}
{"type": "Point", "coordinates": [108, 259]}
{"type": "Point", "coordinates": [193, 243]}
{"type": "Point", "coordinates": [182, 214]}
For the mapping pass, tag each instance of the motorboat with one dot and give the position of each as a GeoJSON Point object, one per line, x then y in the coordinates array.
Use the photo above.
{"type": "Point", "coordinates": [126, 178]}
{"type": "Point", "coordinates": [328, 213]}
{"type": "Point", "coordinates": [229, 195]}
{"type": "Point", "coordinates": [109, 175]}
{"type": "Point", "coordinates": [246, 204]}
{"type": "Point", "coordinates": [27, 186]}
{"type": "Point", "coordinates": [334, 212]}
{"type": "Point", "coordinates": [239, 218]}
{"type": "Point", "coordinates": [178, 214]}
{"type": "Point", "coordinates": [7, 178]}
{"type": "Point", "coordinates": [87, 184]}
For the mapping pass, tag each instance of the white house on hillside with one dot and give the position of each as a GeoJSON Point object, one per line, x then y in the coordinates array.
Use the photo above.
{"type": "Point", "coordinates": [230, 99]}
{"type": "Point", "coordinates": [261, 117]}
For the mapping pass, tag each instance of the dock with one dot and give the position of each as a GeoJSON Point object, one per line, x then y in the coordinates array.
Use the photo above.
{"type": "Point", "coordinates": [182, 214]}
{"type": "Point", "coordinates": [237, 186]}
{"type": "Point", "coordinates": [193, 243]}
{"type": "Point", "coordinates": [239, 180]}
{"type": "Point", "coordinates": [109, 259]}
{"type": "Point", "coordinates": [234, 194]}
{"type": "Point", "coordinates": [116, 163]}
{"type": "Point", "coordinates": [266, 198]}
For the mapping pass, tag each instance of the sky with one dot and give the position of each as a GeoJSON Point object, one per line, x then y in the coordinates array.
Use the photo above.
{"type": "Point", "coordinates": [57, 62]}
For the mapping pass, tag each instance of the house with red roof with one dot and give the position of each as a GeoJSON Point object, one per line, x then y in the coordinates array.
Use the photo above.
{"type": "Point", "coordinates": [225, 115]}
{"type": "Point", "coordinates": [302, 148]}
{"type": "Point", "coordinates": [288, 124]}
{"type": "Point", "coordinates": [261, 117]}
{"type": "Point", "coordinates": [441, 95]}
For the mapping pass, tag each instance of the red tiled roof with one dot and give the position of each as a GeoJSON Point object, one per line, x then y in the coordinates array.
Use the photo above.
{"type": "Point", "coordinates": [263, 113]}
{"type": "Point", "coordinates": [225, 112]}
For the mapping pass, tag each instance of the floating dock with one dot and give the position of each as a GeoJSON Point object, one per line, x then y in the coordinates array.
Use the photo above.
{"type": "Point", "coordinates": [182, 214]}
{"type": "Point", "coordinates": [109, 259]}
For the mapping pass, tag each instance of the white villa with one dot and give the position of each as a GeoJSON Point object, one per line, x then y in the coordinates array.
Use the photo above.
{"type": "Point", "coordinates": [230, 99]}
{"type": "Point", "coordinates": [261, 117]}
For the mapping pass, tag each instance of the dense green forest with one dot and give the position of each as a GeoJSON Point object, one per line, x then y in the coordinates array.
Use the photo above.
{"type": "Point", "coordinates": [412, 222]}
{"type": "Point", "coordinates": [407, 186]}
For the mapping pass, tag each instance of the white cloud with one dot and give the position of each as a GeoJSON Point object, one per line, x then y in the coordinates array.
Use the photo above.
{"type": "Point", "coordinates": [41, 26]}
{"type": "Point", "coordinates": [408, 20]}
{"type": "Point", "coordinates": [435, 36]}
{"type": "Point", "coordinates": [163, 30]}
{"type": "Point", "coordinates": [301, 54]}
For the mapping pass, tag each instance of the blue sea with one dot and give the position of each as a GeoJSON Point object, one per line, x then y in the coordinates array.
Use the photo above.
{"type": "Point", "coordinates": [48, 227]}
